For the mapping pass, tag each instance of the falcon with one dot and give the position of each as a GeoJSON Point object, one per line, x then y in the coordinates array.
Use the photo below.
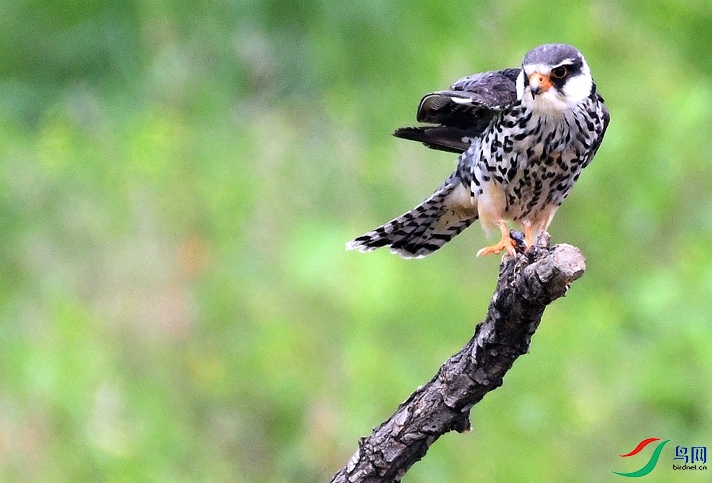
{"type": "Point", "coordinates": [523, 134]}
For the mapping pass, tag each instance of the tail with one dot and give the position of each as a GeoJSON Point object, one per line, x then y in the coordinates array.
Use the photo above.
{"type": "Point", "coordinates": [426, 227]}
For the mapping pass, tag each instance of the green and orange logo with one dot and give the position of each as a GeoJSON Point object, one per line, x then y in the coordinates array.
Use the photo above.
{"type": "Point", "coordinates": [650, 465]}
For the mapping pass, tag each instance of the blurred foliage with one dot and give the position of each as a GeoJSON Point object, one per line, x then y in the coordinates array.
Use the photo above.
{"type": "Point", "coordinates": [177, 183]}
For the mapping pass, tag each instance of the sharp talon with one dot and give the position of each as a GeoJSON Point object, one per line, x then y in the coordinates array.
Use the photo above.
{"type": "Point", "coordinates": [494, 249]}
{"type": "Point", "coordinates": [505, 243]}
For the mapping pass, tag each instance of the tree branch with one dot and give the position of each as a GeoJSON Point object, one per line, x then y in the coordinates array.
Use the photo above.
{"type": "Point", "coordinates": [527, 284]}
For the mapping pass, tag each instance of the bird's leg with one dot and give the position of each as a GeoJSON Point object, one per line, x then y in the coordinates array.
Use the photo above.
{"type": "Point", "coordinates": [528, 238]}
{"type": "Point", "coordinates": [504, 244]}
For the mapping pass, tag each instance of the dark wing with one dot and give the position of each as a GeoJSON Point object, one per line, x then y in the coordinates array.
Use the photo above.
{"type": "Point", "coordinates": [463, 112]}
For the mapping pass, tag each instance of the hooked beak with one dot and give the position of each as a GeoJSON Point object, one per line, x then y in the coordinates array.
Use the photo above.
{"type": "Point", "coordinates": [539, 83]}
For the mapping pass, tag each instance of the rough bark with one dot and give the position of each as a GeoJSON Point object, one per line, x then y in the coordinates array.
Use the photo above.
{"type": "Point", "coordinates": [527, 284]}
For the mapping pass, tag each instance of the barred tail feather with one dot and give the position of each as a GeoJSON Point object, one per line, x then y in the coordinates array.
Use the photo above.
{"type": "Point", "coordinates": [425, 228]}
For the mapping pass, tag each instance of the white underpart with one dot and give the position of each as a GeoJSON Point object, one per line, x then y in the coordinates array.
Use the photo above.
{"type": "Point", "coordinates": [460, 199]}
{"type": "Point", "coordinates": [554, 101]}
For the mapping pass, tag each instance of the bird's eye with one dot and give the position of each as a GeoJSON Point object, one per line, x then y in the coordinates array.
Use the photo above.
{"type": "Point", "coordinates": [560, 72]}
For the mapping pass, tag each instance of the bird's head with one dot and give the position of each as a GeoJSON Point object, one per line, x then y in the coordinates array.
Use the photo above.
{"type": "Point", "coordinates": [554, 78]}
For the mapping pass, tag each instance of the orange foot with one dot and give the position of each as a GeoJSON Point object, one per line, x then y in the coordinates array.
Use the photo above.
{"type": "Point", "coordinates": [505, 243]}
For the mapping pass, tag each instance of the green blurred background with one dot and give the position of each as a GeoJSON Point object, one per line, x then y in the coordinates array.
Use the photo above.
{"type": "Point", "coordinates": [177, 183]}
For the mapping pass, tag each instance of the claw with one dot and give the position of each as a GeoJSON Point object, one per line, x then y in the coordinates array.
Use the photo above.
{"type": "Point", "coordinates": [505, 243]}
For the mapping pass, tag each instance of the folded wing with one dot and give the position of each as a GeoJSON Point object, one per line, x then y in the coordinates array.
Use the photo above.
{"type": "Point", "coordinates": [463, 112]}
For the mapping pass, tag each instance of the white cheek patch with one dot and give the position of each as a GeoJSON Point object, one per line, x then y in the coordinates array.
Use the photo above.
{"type": "Point", "coordinates": [578, 88]}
